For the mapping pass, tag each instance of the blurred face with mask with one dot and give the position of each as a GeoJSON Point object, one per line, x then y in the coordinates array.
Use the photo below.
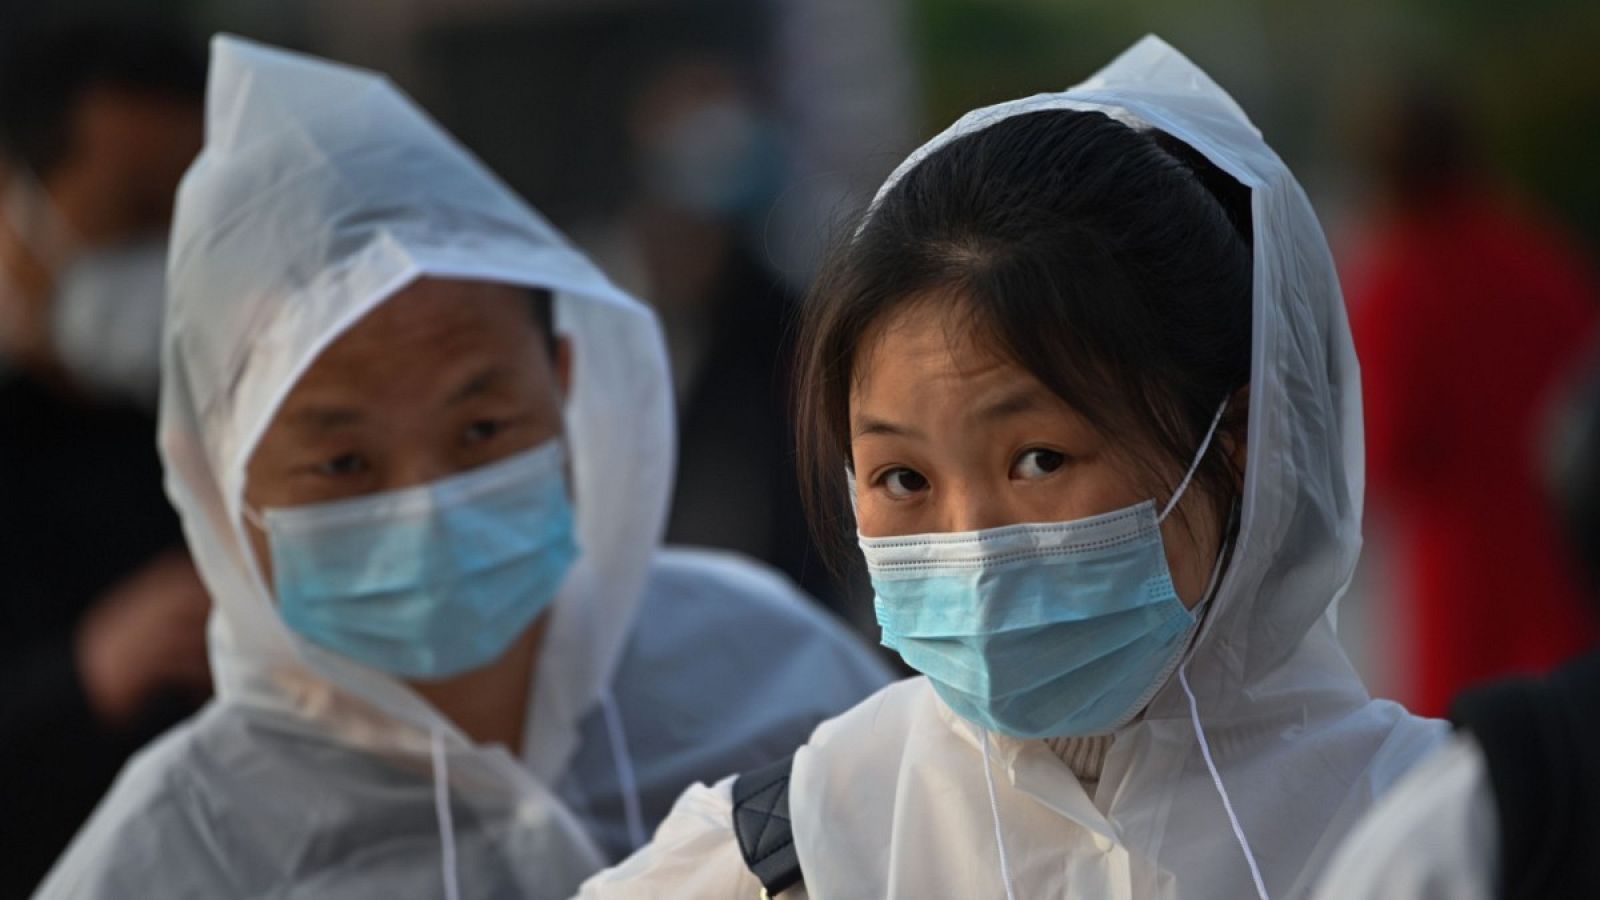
{"type": "Point", "coordinates": [88, 169]}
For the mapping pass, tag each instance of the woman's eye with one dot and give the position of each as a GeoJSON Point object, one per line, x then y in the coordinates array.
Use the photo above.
{"type": "Point", "coordinates": [1037, 463]}
{"type": "Point", "coordinates": [343, 466]}
{"type": "Point", "coordinates": [902, 483]}
{"type": "Point", "coordinates": [483, 430]}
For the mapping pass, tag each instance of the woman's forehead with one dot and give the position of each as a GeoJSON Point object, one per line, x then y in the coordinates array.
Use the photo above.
{"type": "Point", "coordinates": [933, 333]}
{"type": "Point", "coordinates": [924, 366]}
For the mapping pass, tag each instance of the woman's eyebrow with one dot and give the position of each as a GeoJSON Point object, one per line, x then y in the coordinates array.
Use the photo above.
{"type": "Point", "coordinates": [872, 425]}
{"type": "Point", "coordinates": [1030, 398]}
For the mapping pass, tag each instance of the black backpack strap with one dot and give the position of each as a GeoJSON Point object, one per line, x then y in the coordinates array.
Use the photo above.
{"type": "Point", "coordinates": [1541, 740]}
{"type": "Point", "coordinates": [761, 825]}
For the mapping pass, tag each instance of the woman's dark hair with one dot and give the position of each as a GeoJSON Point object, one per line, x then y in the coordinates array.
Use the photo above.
{"type": "Point", "coordinates": [1113, 264]}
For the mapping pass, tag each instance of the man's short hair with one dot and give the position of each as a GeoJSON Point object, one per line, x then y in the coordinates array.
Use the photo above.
{"type": "Point", "coordinates": [543, 305]}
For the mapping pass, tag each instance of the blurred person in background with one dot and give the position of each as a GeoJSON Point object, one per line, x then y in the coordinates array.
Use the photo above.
{"type": "Point", "coordinates": [707, 164]}
{"type": "Point", "coordinates": [422, 449]}
{"type": "Point", "coordinates": [1511, 807]}
{"type": "Point", "coordinates": [1468, 307]}
{"type": "Point", "coordinates": [102, 616]}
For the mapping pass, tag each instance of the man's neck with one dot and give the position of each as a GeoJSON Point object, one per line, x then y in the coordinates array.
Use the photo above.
{"type": "Point", "coordinates": [491, 704]}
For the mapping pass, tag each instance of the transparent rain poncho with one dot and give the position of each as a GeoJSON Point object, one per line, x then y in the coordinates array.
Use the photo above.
{"type": "Point", "coordinates": [320, 192]}
{"type": "Point", "coordinates": [1266, 739]}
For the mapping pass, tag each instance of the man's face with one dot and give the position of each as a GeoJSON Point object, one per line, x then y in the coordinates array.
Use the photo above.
{"type": "Point", "coordinates": [443, 377]}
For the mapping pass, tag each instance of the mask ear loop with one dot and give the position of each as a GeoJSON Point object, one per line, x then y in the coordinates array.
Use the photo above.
{"type": "Point", "coordinates": [1216, 779]}
{"type": "Point", "coordinates": [1205, 746]}
{"type": "Point", "coordinates": [625, 775]}
{"type": "Point", "coordinates": [254, 517]}
{"type": "Point", "coordinates": [441, 807]}
{"type": "Point", "coordinates": [1194, 466]}
{"type": "Point", "coordinates": [1183, 670]}
{"type": "Point", "coordinates": [994, 810]}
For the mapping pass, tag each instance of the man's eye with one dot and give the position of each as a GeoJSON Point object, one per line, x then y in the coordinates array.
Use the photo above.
{"type": "Point", "coordinates": [902, 483]}
{"type": "Point", "coordinates": [343, 466]}
{"type": "Point", "coordinates": [483, 430]}
{"type": "Point", "coordinates": [1037, 463]}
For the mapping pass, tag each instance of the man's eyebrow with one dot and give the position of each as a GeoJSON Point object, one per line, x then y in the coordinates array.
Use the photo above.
{"type": "Point", "coordinates": [325, 417]}
{"type": "Point", "coordinates": [480, 383]}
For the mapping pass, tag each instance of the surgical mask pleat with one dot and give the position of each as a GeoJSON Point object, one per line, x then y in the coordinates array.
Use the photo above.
{"type": "Point", "coordinates": [1029, 594]}
{"type": "Point", "coordinates": [1032, 656]}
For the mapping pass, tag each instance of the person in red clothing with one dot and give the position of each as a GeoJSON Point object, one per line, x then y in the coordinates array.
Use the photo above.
{"type": "Point", "coordinates": [1468, 311]}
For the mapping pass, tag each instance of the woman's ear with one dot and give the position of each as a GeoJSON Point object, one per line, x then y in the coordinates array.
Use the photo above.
{"type": "Point", "coordinates": [563, 366]}
{"type": "Point", "coordinates": [1236, 432]}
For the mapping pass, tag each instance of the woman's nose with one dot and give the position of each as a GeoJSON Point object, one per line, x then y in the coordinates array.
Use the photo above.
{"type": "Point", "coordinates": [974, 508]}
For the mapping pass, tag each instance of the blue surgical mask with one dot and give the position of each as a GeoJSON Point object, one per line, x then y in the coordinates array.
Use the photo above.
{"type": "Point", "coordinates": [1038, 630]}
{"type": "Point", "coordinates": [432, 581]}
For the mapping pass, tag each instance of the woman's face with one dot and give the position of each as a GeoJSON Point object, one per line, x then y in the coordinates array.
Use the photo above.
{"type": "Point", "coordinates": [948, 436]}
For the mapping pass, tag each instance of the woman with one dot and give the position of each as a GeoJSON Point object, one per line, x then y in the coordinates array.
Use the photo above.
{"type": "Point", "coordinates": [1086, 366]}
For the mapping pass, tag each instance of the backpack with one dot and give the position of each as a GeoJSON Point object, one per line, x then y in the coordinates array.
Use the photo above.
{"type": "Point", "coordinates": [762, 828]}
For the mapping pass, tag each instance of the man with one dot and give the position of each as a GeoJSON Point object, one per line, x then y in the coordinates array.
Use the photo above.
{"type": "Point", "coordinates": [102, 617]}
{"type": "Point", "coordinates": [421, 448]}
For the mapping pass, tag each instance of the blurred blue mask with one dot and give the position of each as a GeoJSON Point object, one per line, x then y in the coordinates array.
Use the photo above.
{"type": "Point", "coordinates": [428, 582]}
